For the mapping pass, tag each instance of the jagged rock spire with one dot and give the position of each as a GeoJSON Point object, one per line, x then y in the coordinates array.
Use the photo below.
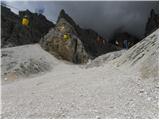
{"type": "Point", "coordinates": [152, 23]}
{"type": "Point", "coordinates": [14, 34]}
{"type": "Point", "coordinates": [65, 16]}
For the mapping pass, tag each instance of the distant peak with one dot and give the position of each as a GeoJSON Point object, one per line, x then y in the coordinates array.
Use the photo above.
{"type": "Point", "coordinates": [62, 12]}
{"type": "Point", "coordinates": [65, 16]}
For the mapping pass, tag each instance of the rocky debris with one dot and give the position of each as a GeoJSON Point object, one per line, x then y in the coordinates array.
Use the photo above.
{"type": "Point", "coordinates": [13, 33]}
{"type": "Point", "coordinates": [69, 91]}
{"type": "Point", "coordinates": [81, 45]}
{"type": "Point", "coordinates": [152, 23]}
{"type": "Point", "coordinates": [25, 61]}
{"type": "Point", "coordinates": [141, 57]}
{"type": "Point", "coordinates": [104, 59]}
{"type": "Point", "coordinates": [119, 38]}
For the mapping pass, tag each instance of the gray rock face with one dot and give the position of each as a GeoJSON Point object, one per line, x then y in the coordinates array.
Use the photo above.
{"type": "Point", "coordinates": [82, 45]}
{"type": "Point", "coordinates": [152, 24]}
{"type": "Point", "coordinates": [71, 49]}
{"type": "Point", "coordinates": [8, 22]}
{"type": "Point", "coordinates": [94, 44]}
{"type": "Point", "coordinates": [14, 34]}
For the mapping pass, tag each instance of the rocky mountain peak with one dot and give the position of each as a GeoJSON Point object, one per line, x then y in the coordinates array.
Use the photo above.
{"type": "Point", "coordinates": [14, 33]}
{"type": "Point", "coordinates": [65, 16]}
{"type": "Point", "coordinates": [152, 23]}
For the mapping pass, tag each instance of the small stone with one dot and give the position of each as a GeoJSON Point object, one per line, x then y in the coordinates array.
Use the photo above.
{"type": "Point", "coordinates": [149, 99]}
{"type": "Point", "coordinates": [145, 93]}
{"type": "Point", "coordinates": [5, 79]}
{"type": "Point", "coordinates": [96, 111]}
{"type": "Point", "coordinates": [111, 107]}
{"type": "Point", "coordinates": [98, 117]}
{"type": "Point", "coordinates": [141, 91]}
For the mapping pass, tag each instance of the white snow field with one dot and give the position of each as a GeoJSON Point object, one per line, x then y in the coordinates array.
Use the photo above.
{"type": "Point", "coordinates": [121, 84]}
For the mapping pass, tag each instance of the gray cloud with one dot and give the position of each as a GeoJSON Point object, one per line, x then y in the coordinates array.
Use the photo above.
{"type": "Point", "coordinates": [104, 17]}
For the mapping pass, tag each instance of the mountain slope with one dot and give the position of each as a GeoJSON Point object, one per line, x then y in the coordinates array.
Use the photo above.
{"type": "Point", "coordinates": [115, 89]}
{"type": "Point", "coordinates": [24, 61]}
{"type": "Point", "coordinates": [142, 57]}
{"type": "Point", "coordinates": [14, 33]}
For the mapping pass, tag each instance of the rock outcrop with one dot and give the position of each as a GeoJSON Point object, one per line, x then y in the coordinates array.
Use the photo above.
{"type": "Point", "coordinates": [152, 24]}
{"type": "Point", "coordinates": [82, 44]}
{"type": "Point", "coordinates": [71, 49]}
{"type": "Point", "coordinates": [14, 34]}
{"type": "Point", "coordinates": [8, 22]}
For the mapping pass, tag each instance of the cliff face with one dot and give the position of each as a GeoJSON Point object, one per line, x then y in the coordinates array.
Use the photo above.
{"type": "Point", "coordinates": [70, 49]}
{"type": "Point", "coordinates": [81, 45]}
{"type": "Point", "coordinates": [14, 34]}
{"type": "Point", "coordinates": [152, 24]}
{"type": "Point", "coordinates": [93, 43]}
{"type": "Point", "coordinates": [8, 22]}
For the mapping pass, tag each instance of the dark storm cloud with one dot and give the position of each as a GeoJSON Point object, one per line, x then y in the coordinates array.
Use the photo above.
{"type": "Point", "coordinates": [104, 17]}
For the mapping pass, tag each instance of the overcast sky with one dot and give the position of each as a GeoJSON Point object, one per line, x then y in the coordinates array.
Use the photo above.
{"type": "Point", "coordinates": [104, 17]}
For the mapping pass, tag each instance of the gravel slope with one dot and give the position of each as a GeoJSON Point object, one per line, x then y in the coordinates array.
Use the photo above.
{"type": "Point", "coordinates": [25, 61]}
{"type": "Point", "coordinates": [75, 91]}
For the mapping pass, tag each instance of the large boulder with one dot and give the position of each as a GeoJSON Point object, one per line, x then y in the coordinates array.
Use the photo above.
{"type": "Point", "coordinates": [14, 33]}
{"type": "Point", "coordinates": [82, 44]}
{"type": "Point", "coordinates": [152, 23]}
{"type": "Point", "coordinates": [71, 49]}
